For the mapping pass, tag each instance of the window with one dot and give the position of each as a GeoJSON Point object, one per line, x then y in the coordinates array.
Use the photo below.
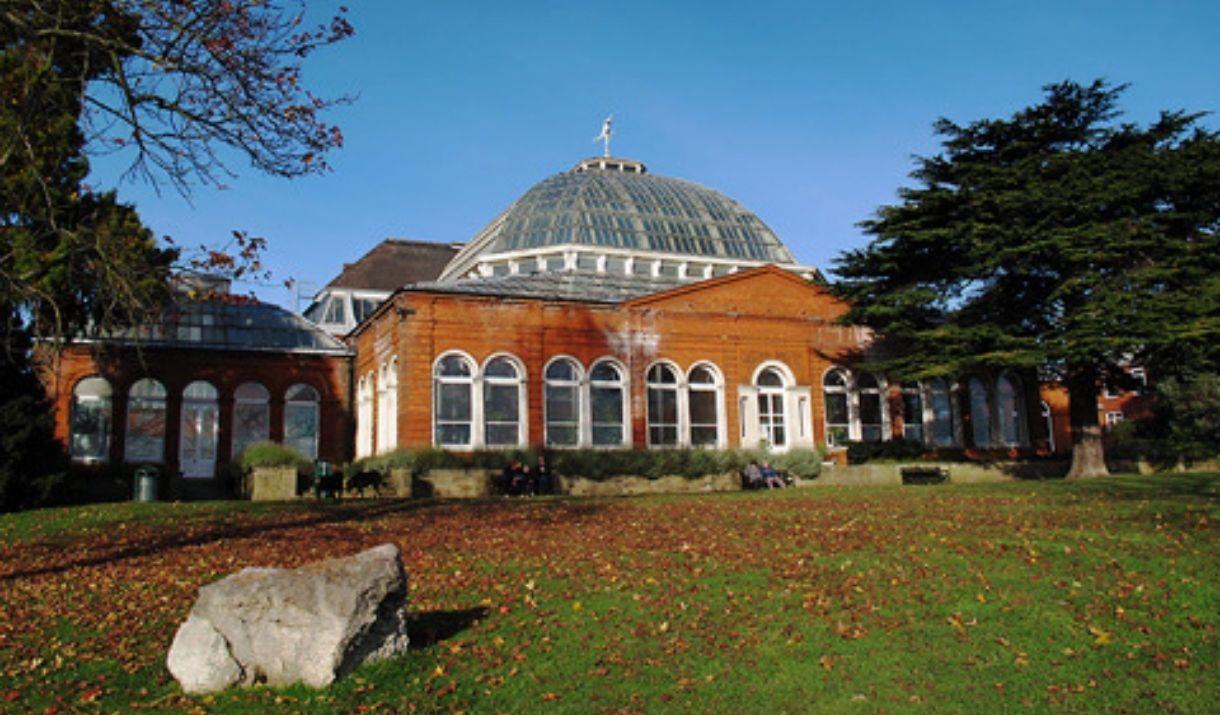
{"type": "Point", "coordinates": [145, 433]}
{"type": "Point", "coordinates": [703, 405]}
{"type": "Point", "coordinates": [364, 416]}
{"type": "Point", "coordinates": [562, 403]}
{"type": "Point", "coordinates": [1008, 407]}
{"type": "Point", "coordinates": [912, 414]}
{"type": "Point", "coordinates": [1112, 419]}
{"type": "Point", "coordinates": [363, 308]}
{"type": "Point", "coordinates": [251, 416]}
{"type": "Point", "coordinates": [942, 413]}
{"type": "Point", "coordinates": [198, 430]}
{"type": "Point", "coordinates": [90, 438]}
{"type": "Point", "coordinates": [301, 419]}
{"type": "Point", "coordinates": [771, 423]}
{"type": "Point", "coordinates": [389, 407]}
{"type": "Point", "coordinates": [838, 421]}
{"type": "Point", "coordinates": [980, 415]}
{"type": "Point", "coordinates": [453, 392]}
{"type": "Point", "coordinates": [336, 312]}
{"type": "Point", "coordinates": [502, 397]}
{"type": "Point", "coordinates": [871, 422]}
{"type": "Point", "coordinates": [662, 406]}
{"type": "Point", "coordinates": [1140, 375]}
{"type": "Point", "coordinates": [606, 396]}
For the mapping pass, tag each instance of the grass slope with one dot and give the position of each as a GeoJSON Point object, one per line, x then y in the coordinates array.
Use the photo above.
{"type": "Point", "coordinates": [1096, 596]}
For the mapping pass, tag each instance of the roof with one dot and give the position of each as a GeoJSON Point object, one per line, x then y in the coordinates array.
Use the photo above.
{"type": "Point", "coordinates": [230, 325]}
{"type": "Point", "coordinates": [573, 285]}
{"type": "Point", "coordinates": [615, 203]}
{"type": "Point", "coordinates": [395, 262]}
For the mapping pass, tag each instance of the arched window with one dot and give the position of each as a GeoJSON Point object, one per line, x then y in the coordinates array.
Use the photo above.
{"type": "Point", "coordinates": [1008, 408]}
{"type": "Point", "coordinates": [771, 422]}
{"type": "Point", "coordinates": [387, 406]}
{"type": "Point", "coordinates": [389, 413]}
{"type": "Point", "coordinates": [145, 433]}
{"type": "Point", "coordinates": [251, 416]}
{"type": "Point", "coordinates": [703, 406]}
{"type": "Point", "coordinates": [364, 416]}
{"type": "Point", "coordinates": [562, 403]}
{"type": "Point", "coordinates": [942, 413]}
{"type": "Point", "coordinates": [198, 430]}
{"type": "Point", "coordinates": [453, 392]}
{"type": "Point", "coordinates": [871, 420]}
{"type": "Point", "coordinates": [606, 398]}
{"type": "Point", "coordinates": [912, 413]}
{"type": "Point", "coordinates": [503, 394]}
{"type": "Point", "coordinates": [90, 434]}
{"type": "Point", "coordinates": [838, 419]}
{"type": "Point", "coordinates": [980, 414]}
{"type": "Point", "coordinates": [301, 419]}
{"type": "Point", "coordinates": [662, 406]}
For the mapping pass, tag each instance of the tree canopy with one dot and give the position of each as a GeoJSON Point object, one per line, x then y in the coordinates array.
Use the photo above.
{"type": "Point", "coordinates": [1060, 239]}
{"type": "Point", "coordinates": [184, 88]}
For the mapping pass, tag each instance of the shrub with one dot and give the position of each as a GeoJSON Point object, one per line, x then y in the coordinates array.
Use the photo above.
{"type": "Point", "coordinates": [802, 463]}
{"type": "Point", "coordinates": [270, 454]}
{"type": "Point", "coordinates": [899, 449]}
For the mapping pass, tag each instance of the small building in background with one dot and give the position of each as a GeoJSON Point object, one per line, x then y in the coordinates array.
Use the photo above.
{"type": "Point", "coordinates": [357, 291]}
{"type": "Point", "coordinates": [218, 373]}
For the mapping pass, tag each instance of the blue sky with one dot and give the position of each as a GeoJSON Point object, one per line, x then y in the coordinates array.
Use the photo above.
{"type": "Point", "coordinates": [806, 112]}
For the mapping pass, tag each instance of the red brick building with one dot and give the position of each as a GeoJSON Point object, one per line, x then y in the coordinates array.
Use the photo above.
{"type": "Point", "coordinates": [187, 397]}
{"type": "Point", "coordinates": [609, 307]}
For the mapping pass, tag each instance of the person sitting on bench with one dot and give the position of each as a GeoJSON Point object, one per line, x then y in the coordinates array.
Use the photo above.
{"type": "Point", "coordinates": [753, 476]}
{"type": "Point", "coordinates": [771, 477]}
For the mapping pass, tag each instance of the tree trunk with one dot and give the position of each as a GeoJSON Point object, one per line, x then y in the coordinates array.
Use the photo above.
{"type": "Point", "coordinates": [1088, 453]}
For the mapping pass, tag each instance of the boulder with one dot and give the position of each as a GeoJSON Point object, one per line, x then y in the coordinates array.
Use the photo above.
{"type": "Point", "coordinates": [281, 626]}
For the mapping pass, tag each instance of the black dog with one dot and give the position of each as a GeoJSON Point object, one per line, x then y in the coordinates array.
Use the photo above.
{"type": "Point", "coordinates": [362, 480]}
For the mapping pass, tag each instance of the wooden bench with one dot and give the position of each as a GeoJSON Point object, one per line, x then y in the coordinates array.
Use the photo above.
{"type": "Point", "coordinates": [924, 475]}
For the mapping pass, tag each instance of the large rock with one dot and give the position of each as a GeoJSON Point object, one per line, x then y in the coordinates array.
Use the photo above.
{"type": "Point", "coordinates": [282, 626]}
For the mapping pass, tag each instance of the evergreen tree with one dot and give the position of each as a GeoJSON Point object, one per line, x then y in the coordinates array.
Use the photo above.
{"type": "Point", "coordinates": [1057, 239]}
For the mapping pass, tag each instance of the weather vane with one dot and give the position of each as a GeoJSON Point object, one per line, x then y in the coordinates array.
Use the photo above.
{"type": "Point", "coordinates": [604, 137]}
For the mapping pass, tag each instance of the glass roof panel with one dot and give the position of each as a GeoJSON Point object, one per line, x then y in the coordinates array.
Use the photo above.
{"type": "Point", "coordinates": [633, 210]}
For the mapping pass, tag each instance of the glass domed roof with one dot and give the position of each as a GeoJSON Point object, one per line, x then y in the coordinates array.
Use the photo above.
{"type": "Point", "coordinates": [615, 204]}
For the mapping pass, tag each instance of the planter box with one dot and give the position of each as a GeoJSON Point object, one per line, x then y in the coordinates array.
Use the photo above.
{"type": "Point", "coordinates": [631, 485]}
{"type": "Point", "coordinates": [400, 482]}
{"type": "Point", "coordinates": [273, 483]}
{"type": "Point", "coordinates": [454, 484]}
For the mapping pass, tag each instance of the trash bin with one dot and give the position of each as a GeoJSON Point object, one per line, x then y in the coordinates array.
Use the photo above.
{"type": "Point", "coordinates": [144, 487]}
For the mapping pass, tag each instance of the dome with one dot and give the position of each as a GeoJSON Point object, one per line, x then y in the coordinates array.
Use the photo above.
{"type": "Point", "coordinates": [614, 206]}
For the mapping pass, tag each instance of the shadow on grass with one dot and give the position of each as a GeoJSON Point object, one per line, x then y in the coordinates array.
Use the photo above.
{"type": "Point", "coordinates": [1204, 487]}
{"type": "Point", "coordinates": [431, 627]}
{"type": "Point", "coordinates": [315, 514]}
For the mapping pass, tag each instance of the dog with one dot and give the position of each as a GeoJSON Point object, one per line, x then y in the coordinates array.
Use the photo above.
{"type": "Point", "coordinates": [362, 480]}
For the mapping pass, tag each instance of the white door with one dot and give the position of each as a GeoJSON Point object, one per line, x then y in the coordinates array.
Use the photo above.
{"type": "Point", "coordinates": [198, 436]}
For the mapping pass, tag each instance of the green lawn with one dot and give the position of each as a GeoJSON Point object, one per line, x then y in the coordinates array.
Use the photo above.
{"type": "Point", "coordinates": [1099, 596]}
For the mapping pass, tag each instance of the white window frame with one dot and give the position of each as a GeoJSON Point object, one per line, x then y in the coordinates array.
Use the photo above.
{"type": "Point", "coordinates": [845, 390]}
{"type": "Point", "coordinates": [716, 388]}
{"type": "Point", "coordinates": [519, 382]}
{"type": "Point", "coordinates": [364, 415]}
{"type": "Point", "coordinates": [624, 388]}
{"type": "Point", "coordinates": [1017, 413]}
{"type": "Point", "coordinates": [475, 398]}
{"type": "Point", "coordinates": [238, 401]}
{"type": "Point", "coordinates": [771, 395]}
{"type": "Point", "coordinates": [146, 403]}
{"type": "Point", "coordinates": [581, 407]}
{"type": "Point", "coordinates": [881, 391]}
{"type": "Point", "coordinates": [316, 405]}
{"type": "Point", "coordinates": [675, 388]}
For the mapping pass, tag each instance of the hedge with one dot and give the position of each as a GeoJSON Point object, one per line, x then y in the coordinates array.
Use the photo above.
{"type": "Point", "coordinates": [600, 463]}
